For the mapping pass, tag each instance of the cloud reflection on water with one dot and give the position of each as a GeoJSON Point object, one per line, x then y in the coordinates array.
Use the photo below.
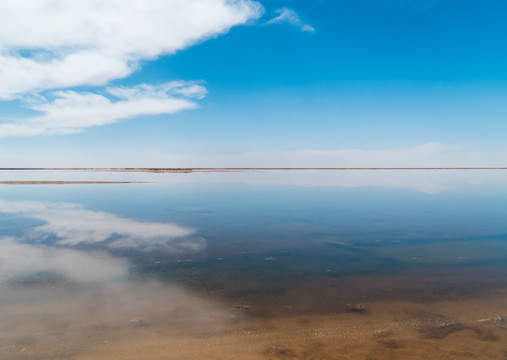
{"type": "Point", "coordinates": [425, 181]}
{"type": "Point", "coordinates": [19, 260]}
{"type": "Point", "coordinates": [73, 225]}
{"type": "Point", "coordinates": [57, 300]}
{"type": "Point", "coordinates": [61, 320]}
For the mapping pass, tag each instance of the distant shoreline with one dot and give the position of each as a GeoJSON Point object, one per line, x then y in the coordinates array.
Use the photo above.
{"type": "Point", "coordinates": [58, 182]}
{"type": "Point", "coordinates": [191, 170]}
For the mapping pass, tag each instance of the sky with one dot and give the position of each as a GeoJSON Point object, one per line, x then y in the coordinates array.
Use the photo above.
{"type": "Point", "coordinates": [268, 83]}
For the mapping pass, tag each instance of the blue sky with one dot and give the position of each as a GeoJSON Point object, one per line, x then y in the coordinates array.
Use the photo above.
{"type": "Point", "coordinates": [267, 83]}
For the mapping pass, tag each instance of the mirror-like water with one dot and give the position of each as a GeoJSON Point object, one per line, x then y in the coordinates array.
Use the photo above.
{"type": "Point", "coordinates": [254, 265]}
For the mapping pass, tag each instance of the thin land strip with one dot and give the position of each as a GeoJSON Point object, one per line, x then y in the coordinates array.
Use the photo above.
{"type": "Point", "coordinates": [50, 182]}
{"type": "Point", "coordinates": [190, 170]}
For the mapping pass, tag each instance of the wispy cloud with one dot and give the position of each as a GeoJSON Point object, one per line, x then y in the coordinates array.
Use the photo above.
{"type": "Point", "coordinates": [289, 16]}
{"type": "Point", "coordinates": [71, 111]}
{"type": "Point", "coordinates": [424, 155]}
{"type": "Point", "coordinates": [57, 45]}
{"type": "Point", "coordinates": [73, 225]}
{"type": "Point", "coordinates": [47, 44]}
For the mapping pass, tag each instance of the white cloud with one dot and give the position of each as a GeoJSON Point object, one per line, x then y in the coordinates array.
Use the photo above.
{"type": "Point", "coordinates": [52, 44]}
{"type": "Point", "coordinates": [71, 111]}
{"type": "Point", "coordinates": [422, 155]}
{"type": "Point", "coordinates": [59, 44]}
{"type": "Point", "coordinates": [425, 155]}
{"type": "Point", "coordinates": [74, 225]}
{"type": "Point", "coordinates": [289, 16]}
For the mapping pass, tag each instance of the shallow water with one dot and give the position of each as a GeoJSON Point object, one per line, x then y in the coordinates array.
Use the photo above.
{"type": "Point", "coordinates": [254, 265]}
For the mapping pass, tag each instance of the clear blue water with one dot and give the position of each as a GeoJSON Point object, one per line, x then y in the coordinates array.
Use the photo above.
{"type": "Point", "coordinates": [254, 247]}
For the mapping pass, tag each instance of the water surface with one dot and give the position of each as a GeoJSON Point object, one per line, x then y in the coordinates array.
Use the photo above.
{"type": "Point", "coordinates": [254, 265]}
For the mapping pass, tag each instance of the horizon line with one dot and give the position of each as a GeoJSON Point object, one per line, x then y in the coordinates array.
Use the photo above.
{"type": "Point", "coordinates": [224, 169]}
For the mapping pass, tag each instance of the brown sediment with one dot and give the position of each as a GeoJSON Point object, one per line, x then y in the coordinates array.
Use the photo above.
{"type": "Point", "coordinates": [158, 321]}
{"type": "Point", "coordinates": [391, 331]}
{"type": "Point", "coordinates": [329, 294]}
{"type": "Point", "coordinates": [57, 182]}
{"type": "Point", "coordinates": [153, 170]}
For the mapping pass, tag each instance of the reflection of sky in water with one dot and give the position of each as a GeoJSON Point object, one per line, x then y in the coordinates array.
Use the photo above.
{"type": "Point", "coordinates": [235, 215]}
{"type": "Point", "coordinates": [71, 224]}
{"type": "Point", "coordinates": [122, 255]}
{"type": "Point", "coordinates": [431, 182]}
{"type": "Point", "coordinates": [191, 254]}
{"type": "Point", "coordinates": [63, 291]}
{"type": "Point", "coordinates": [18, 260]}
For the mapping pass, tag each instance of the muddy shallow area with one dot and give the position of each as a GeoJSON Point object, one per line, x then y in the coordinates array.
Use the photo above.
{"type": "Point", "coordinates": [320, 318]}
